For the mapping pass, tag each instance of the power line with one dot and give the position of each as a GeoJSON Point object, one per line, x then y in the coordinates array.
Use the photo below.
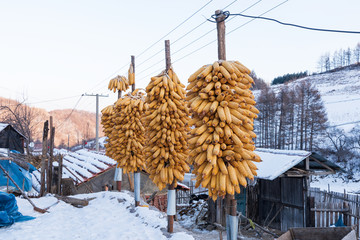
{"type": "Point", "coordinates": [293, 25]}
{"type": "Point", "coordinates": [70, 112]}
{"type": "Point", "coordinates": [192, 42]}
{"type": "Point", "coordinates": [212, 30]}
{"type": "Point", "coordinates": [258, 16]}
{"type": "Point", "coordinates": [144, 51]}
{"type": "Point", "coordinates": [53, 100]}
{"type": "Point", "coordinates": [184, 35]}
{"type": "Point", "coordinates": [198, 49]}
{"type": "Point", "coordinates": [151, 66]}
{"type": "Point", "coordinates": [100, 82]}
{"type": "Point", "coordinates": [174, 29]}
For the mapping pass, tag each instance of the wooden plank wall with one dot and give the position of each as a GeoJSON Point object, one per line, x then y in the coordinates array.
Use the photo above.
{"type": "Point", "coordinates": [327, 207]}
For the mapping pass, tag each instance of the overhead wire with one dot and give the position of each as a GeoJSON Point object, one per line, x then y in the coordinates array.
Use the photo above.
{"type": "Point", "coordinates": [258, 16]}
{"type": "Point", "coordinates": [70, 112]}
{"type": "Point", "coordinates": [198, 49]}
{"type": "Point", "coordinates": [152, 45]}
{"type": "Point", "coordinates": [192, 42]}
{"type": "Point", "coordinates": [184, 35]}
{"type": "Point", "coordinates": [53, 100]}
{"type": "Point", "coordinates": [211, 29]}
{"type": "Point", "coordinates": [173, 29]}
{"type": "Point", "coordinates": [295, 25]}
{"type": "Point", "coordinates": [107, 78]}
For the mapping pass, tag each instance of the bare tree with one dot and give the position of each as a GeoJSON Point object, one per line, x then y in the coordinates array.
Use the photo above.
{"type": "Point", "coordinates": [20, 116]}
{"type": "Point", "coordinates": [327, 63]}
{"type": "Point", "coordinates": [334, 60]}
{"type": "Point", "coordinates": [259, 82]}
{"type": "Point", "coordinates": [340, 148]}
{"type": "Point", "coordinates": [321, 64]}
{"type": "Point", "coordinates": [356, 53]}
{"type": "Point", "coordinates": [348, 56]}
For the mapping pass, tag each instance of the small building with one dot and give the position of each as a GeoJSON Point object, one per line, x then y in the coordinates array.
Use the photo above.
{"type": "Point", "coordinates": [278, 197]}
{"type": "Point", "coordinates": [86, 171]}
{"type": "Point", "coordinates": [10, 138]}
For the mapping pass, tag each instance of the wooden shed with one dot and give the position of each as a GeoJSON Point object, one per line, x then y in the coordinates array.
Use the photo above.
{"type": "Point", "coordinates": [10, 138]}
{"type": "Point", "coordinates": [278, 197]}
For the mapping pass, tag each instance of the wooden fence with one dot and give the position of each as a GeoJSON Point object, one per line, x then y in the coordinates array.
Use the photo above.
{"type": "Point", "coordinates": [327, 207]}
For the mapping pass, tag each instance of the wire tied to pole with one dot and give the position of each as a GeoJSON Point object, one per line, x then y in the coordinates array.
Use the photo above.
{"type": "Point", "coordinates": [215, 16]}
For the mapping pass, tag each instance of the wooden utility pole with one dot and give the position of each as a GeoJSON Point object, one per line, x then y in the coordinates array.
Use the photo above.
{"type": "Point", "coordinates": [220, 25]}
{"type": "Point", "coordinates": [97, 117]}
{"type": "Point", "coordinates": [43, 157]}
{"type": "Point", "coordinates": [171, 206]}
{"type": "Point", "coordinates": [51, 154]}
{"type": "Point", "coordinates": [231, 219]}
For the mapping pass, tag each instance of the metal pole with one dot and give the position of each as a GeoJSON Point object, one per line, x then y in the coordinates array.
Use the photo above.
{"type": "Point", "coordinates": [97, 123]}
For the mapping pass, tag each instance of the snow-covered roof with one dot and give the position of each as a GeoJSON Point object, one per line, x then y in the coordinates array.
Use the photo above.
{"type": "Point", "coordinates": [276, 162]}
{"type": "Point", "coordinates": [3, 126]}
{"type": "Point", "coordinates": [83, 164]}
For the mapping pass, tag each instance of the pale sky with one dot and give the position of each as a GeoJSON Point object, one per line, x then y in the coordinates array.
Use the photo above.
{"type": "Point", "coordinates": [51, 52]}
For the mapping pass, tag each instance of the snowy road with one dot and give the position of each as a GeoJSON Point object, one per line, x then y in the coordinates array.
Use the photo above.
{"type": "Point", "coordinates": [104, 218]}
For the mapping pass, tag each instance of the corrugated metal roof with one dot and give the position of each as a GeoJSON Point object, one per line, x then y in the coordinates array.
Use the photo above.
{"type": "Point", "coordinates": [276, 162]}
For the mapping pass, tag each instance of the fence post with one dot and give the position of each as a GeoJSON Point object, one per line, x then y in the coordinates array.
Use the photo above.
{"type": "Point", "coordinates": [345, 213]}
{"type": "Point", "coordinates": [311, 213]}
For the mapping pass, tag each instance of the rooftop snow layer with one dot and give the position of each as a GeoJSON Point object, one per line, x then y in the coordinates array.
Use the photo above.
{"type": "Point", "coordinates": [82, 164]}
{"type": "Point", "coordinates": [275, 162]}
{"type": "Point", "coordinates": [3, 126]}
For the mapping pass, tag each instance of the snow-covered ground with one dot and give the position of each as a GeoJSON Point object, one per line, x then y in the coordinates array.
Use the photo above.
{"type": "Point", "coordinates": [110, 215]}
{"type": "Point", "coordinates": [340, 92]}
{"type": "Point", "coordinates": [337, 183]}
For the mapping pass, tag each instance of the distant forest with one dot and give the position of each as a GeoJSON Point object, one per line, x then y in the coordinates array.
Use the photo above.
{"type": "Point", "coordinates": [339, 59]}
{"type": "Point", "coordinates": [293, 118]}
{"type": "Point", "coordinates": [327, 62]}
{"type": "Point", "coordinates": [289, 77]}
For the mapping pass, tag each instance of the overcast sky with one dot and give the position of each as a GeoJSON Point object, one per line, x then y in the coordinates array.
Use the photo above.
{"type": "Point", "coordinates": [51, 52]}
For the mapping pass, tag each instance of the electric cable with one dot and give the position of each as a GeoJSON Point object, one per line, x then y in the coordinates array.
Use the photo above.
{"type": "Point", "coordinates": [174, 29]}
{"type": "Point", "coordinates": [198, 49]}
{"type": "Point", "coordinates": [192, 42]}
{"type": "Point", "coordinates": [184, 35]}
{"type": "Point", "coordinates": [70, 112]}
{"type": "Point", "coordinates": [293, 25]}
{"type": "Point", "coordinates": [258, 16]}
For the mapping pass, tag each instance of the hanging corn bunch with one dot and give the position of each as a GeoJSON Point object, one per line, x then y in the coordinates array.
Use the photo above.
{"type": "Point", "coordinates": [107, 115]}
{"type": "Point", "coordinates": [130, 132]}
{"type": "Point", "coordinates": [166, 128]}
{"type": "Point", "coordinates": [119, 83]}
{"type": "Point", "coordinates": [223, 112]}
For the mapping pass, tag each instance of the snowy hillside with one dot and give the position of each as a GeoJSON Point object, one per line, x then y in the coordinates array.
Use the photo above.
{"type": "Point", "coordinates": [340, 92]}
